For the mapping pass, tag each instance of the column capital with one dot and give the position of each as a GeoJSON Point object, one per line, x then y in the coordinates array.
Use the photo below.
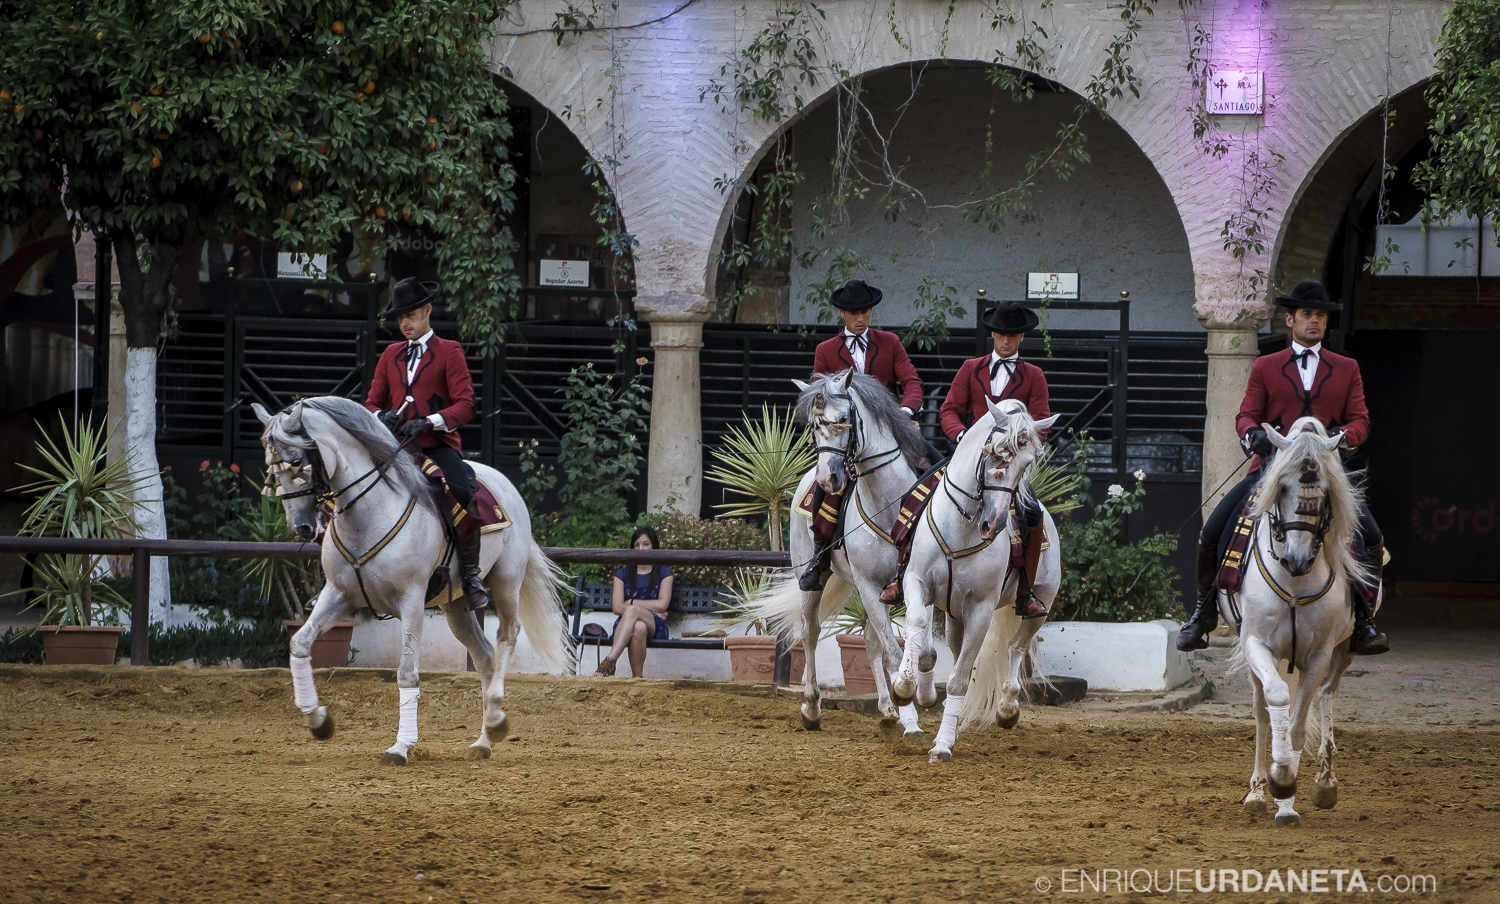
{"type": "Point", "coordinates": [1232, 316]}
{"type": "Point", "coordinates": [656, 309]}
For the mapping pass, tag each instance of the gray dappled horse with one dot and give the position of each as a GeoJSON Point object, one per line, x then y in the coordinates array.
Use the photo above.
{"type": "Point", "coordinates": [385, 539]}
{"type": "Point", "coordinates": [865, 440]}
{"type": "Point", "coordinates": [960, 560]}
{"type": "Point", "coordinates": [1294, 604]}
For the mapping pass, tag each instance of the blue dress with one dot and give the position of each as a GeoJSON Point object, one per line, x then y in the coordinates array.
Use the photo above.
{"type": "Point", "coordinates": [636, 589]}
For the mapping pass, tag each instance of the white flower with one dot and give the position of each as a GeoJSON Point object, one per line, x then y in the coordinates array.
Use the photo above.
{"type": "Point", "coordinates": [1139, 474]}
{"type": "Point", "coordinates": [1116, 491]}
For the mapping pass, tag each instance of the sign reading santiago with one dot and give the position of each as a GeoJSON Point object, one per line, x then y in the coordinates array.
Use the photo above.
{"type": "Point", "coordinates": [1057, 286]}
{"type": "Point", "coordinates": [1235, 92]}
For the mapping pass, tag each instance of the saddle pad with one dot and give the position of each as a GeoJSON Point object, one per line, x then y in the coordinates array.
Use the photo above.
{"type": "Point", "coordinates": [492, 515]}
{"type": "Point", "coordinates": [912, 505]}
{"type": "Point", "coordinates": [1232, 568]}
{"type": "Point", "coordinates": [825, 521]}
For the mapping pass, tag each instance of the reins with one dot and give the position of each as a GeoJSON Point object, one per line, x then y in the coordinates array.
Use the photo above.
{"type": "Point", "coordinates": [1279, 530]}
{"type": "Point", "coordinates": [982, 486]}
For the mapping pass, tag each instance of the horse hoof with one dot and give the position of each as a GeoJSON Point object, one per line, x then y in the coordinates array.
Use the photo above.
{"type": "Point", "coordinates": [478, 752]}
{"type": "Point", "coordinates": [939, 756]}
{"type": "Point", "coordinates": [812, 724]}
{"type": "Point", "coordinates": [927, 661]}
{"type": "Point", "coordinates": [1279, 790]}
{"type": "Point", "coordinates": [392, 759]}
{"type": "Point", "coordinates": [900, 699]}
{"type": "Point", "coordinates": [1289, 818]}
{"type": "Point", "coordinates": [321, 730]}
{"type": "Point", "coordinates": [500, 729]}
{"type": "Point", "coordinates": [1005, 721]}
{"type": "Point", "coordinates": [914, 737]}
{"type": "Point", "coordinates": [1255, 806]}
{"type": "Point", "coordinates": [1326, 797]}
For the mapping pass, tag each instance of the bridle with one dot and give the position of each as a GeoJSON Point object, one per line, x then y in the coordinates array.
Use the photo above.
{"type": "Point", "coordinates": [854, 441]}
{"type": "Point", "coordinates": [1310, 503]}
{"type": "Point", "coordinates": [983, 475]}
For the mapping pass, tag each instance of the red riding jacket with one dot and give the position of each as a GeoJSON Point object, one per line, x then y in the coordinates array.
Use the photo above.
{"type": "Point", "coordinates": [966, 402]}
{"type": "Point", "coordinates": [885, 360]}
{"type": "Point", "coordinates": [1275, 396]}
{"type": "Point", "coordinates": [441, 386]}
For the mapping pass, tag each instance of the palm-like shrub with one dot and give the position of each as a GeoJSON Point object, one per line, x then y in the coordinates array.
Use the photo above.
{"type": "Point", "coordinates": [81, 494]}
{"type": "Point", "coordinates": [764, 460]}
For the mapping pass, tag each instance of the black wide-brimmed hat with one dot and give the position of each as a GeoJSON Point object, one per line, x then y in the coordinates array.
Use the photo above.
{"type": "Point", "coordinates": [1007, 317]}
{"type": "Point", "coordinates": [854, 295]}
{"type": "Point", "coordinates": [1309, 294]}
{"type": "Point", "coordinates": [409, 294]}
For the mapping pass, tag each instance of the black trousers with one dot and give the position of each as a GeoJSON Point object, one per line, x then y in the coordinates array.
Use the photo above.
{"type": "Point", "coordinates": [455, 469]}
{"type": "Point", "coordinates": [1216, 528]}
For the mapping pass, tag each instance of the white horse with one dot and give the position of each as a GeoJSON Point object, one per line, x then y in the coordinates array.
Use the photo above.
{"type": "Point", "coordinates": [865, 440]}
{"type": "Point", "coordinates": [385, 540]}
{"type": "Point", "coordinates": [1294, 604]}
{"type": "Point", "coordinates": [960, 560]}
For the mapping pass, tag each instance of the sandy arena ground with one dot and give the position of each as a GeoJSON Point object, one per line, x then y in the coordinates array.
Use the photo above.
{"type": "Point", "coordinates": [140, 785]}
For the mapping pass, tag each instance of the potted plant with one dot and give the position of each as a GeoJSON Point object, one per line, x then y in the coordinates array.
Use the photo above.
{"type": "Point", "coordinates": [849, 632]}
{"type": "Point", "coordinates": [752, 657]}
{"type": "Point", "coordinates": [764, 460]}
{"type": "Point", "coordinates": [80, 494]}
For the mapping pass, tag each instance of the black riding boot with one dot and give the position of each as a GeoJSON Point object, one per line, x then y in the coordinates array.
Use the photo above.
{"type": "Point", "coordinates": [1194, 634]}
{"type": "Point", "coordinates": [468, 567]}
{"type": "Point", "coordinates": [1367, 639]}
{"type": "Point", "coordinates": [812, 578]}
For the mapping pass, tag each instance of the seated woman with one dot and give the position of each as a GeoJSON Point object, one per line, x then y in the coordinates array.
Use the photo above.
{"type": "Point", "coordinates": [642, 594]}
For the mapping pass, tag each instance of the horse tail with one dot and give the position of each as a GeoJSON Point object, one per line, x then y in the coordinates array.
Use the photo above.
{"type": "Point", "coordinates": [542, 614]}
{"type": "Point", "coordinates": [986, 691]}
{"type": "Point", "coordinates": [779, 606]}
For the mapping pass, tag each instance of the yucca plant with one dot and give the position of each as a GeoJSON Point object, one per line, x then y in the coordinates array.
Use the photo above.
{"type": "Point", "coordinates": [764, 460]}
{"type": "Point", "coordinates": [81, 493]}
{"type": "Point", "coordinates": [67, 593]}
{"type": "Point", "coordinates": [1056, 486]}
{"type": "Point", "coordinates": [291, 581]}
{"type": "Point", "coordinates": [853, 618]}
{"type": "Point", "coordinates": [749, 583]}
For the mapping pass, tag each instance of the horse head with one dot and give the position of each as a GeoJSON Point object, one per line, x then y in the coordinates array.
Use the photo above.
{"type": "Point", "coordinates": [1013, 444]}
{"type": "Point", "coordinates": [1299, 492]}
{"type": "Point", "coordinates": [292, 470]}
{"type": "Point", "coordinates": [834, 421]}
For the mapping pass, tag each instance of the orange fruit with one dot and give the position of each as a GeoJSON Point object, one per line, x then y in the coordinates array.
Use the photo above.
{"type": "Point", "coordinates": [161, 136]}
{"type": "Point", "coordinates": [155, 162]}
{"type": "Point", "coordinates": [359, 98]}
{"type": "Point", "coordinates": [323, 148]}
{"type": "Point", "coordinates": [5, 94]}
{"type": "Point", "coordinates": [379, 211]}
{"type": "Point", "coordinates": [156, 92]}
{"type": "Point", "coordinates": [137, 108]}
{"type": "Point", "coordinates": [432, 121]}
{"type": "Point", "coordinates": [296, 186]}
{"type": "Point", "coordinates": [99, 36]}
{"type": "Point", "coordinates": [369, 87]}
{"type": "Point", "coordinates": [338, 28]}
{"type": "Point", "coordinates": [39, 134]}
{"type": "Point", "coordinates": [205, 38]}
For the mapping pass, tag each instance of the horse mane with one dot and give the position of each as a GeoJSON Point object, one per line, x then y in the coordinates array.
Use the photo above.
{"type": "Point", "coordinates": [1017, 412]}
{"type": "Point", "coordinates": [878, 405]}
{"type": "Point", "coordinates": [1306, 438]}
{"type": "Point", "coordinates": [356, 420]}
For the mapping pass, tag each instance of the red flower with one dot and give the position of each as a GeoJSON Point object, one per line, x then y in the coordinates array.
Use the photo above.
{"type": "Point", "coordinates": [204, 465]}
{"type": "Point", "coordinates": [235, 468]}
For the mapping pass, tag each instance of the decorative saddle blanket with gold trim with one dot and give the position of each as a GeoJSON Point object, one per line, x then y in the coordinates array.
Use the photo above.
{"type": "Point", "coordinates": [825, 519]}
{"type": "Point", "coordinates": [1232, 567]}
{"type": "Point", "coordinates": [492, 516]}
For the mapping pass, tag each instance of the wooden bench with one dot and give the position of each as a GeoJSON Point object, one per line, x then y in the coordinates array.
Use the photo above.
{"type": "Point", "coordinates": [685, 601]}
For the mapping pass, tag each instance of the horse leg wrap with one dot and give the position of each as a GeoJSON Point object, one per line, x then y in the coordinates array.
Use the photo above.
{"type": "Point", "coordinates": [1296, 760]}
{"type": "Point", "coordinates": [916, 641]}
{"type": "Point", "coordinates": [406, 733]}
{"type": "Point", "coordinates": [304, 691]}
{"type": "Point", "coordinates": [927, 686]}
{"type": "Point", "coordinates": [1281, 733]}
{"type": "Point", "coordinates": [908, 716]}
{"type": "Point", "coordinates": [948, 731]}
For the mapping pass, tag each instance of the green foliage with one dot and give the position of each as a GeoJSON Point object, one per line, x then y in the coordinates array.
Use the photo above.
{"type": "Point", "coordinates": [1104, 577]}
{"type": "Point", "coordinates": [748, 583]}
{"type": "Point", "coordinates": [600, 462]}
{"type": "Point", "coordinates": [764, 461]}
{"type": "Point", "coordinates": [853, 618]}
{"type": "Point", "coordinates": [679, 531]}
{"type": "Point", "coordinates": [68, 594]}
{"type": "Point", "coordinates": [1462, 175]}
{"type": "Point", "coordinates": [160, 122]}
{"type": "Point", "coordinates": [259, 645]}
{"type": "Point", "coordinates": [23, 646]}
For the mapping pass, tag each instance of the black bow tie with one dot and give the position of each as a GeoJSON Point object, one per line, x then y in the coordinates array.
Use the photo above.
{"type": "Point", "coordinates": [1305, 358]}
{"type": "Point", "coordinates": [1008, 363]}
{"type": "Point", "coordinates": [856, 343]}
{"type": "Point", "coordinates": [413, 351]}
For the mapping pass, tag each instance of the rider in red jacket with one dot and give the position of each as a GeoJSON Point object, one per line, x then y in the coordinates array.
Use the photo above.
{"type": "Point", "coordinates": [422, 390]}
{"type": "Point", "coordinates": [1302, 380]}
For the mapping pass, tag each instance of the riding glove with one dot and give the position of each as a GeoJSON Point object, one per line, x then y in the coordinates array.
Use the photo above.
{"type": "Point", "coordinates": [412, 428]}
{"type": "Point", "coordinates": [390, 419]}
{"type": "Point", "coordinates": [1257, 441]}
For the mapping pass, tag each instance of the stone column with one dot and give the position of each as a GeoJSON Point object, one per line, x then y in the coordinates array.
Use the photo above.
{"type": "Point", "coordinates": [675, 475]}
{"type": "Point", "coordinates": [1232, 349]}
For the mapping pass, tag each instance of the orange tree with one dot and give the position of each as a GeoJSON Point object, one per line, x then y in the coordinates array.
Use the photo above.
{"type": "Point", "coordinates": [156, 123]}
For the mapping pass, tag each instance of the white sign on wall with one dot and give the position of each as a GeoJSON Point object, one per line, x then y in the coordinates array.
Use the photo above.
{"type": "Point", "coordinates": [1236, 92]}
{"type": "Point", "coordinates": [302, 266]}
{"type": "Point", "coordinates": [1057, 286]}
{"type": "Point", "coordinates": [574, 274]}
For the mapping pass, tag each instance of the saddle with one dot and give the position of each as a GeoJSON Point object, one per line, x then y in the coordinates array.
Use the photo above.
{"type": "Point", "coordinates": [489, 516]}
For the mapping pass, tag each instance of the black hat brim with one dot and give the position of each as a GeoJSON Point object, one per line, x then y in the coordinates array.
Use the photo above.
{"type": "Point", "coordinates": [1293, 304]}
{"type": "Point", "coordinates": [429, 296]}
{"type": "Point", "coordinates": [1028, 322]}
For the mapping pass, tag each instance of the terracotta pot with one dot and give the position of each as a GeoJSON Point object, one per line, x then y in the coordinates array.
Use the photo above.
{"type": "Point", "coordinates": [858, 679]}
{"type": "Point", "coordinates": [80, 644]}
{"type": "Point", "coordinates": [799, 664]}
{"type": "Point", "coordinates": [331, 650]}
{"type": "Point", "coordinates": [752, 657]}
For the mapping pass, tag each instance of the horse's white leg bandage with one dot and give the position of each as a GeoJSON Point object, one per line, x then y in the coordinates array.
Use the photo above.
{"type": "Point", "coordinates": [908, 716]}
{"type": "Point", "coordinates": [1296, 760]}
{"type": "Point", "coordinates": [948, 731]}
{"type": "Point", "coordinates": [927, 687]}
{"type": "Point", "coordinates": [916, 640]}
{"type": "Point", "coordinates": [406, 733]}
{"type": "Point", "coordinates": [304, 691]}
{"type": "Point", "coordinates": [1281, 734]}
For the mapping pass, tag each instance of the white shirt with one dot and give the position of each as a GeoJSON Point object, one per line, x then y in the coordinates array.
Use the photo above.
{"type": "Point", "coordinates": [1309, 370]}
{"type": "Point", "coordinates": [1002, 376]}
{"type": "Point", "coordinates": [415, 361]}
{"type": "Point", "coordinates": [856, 350]}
